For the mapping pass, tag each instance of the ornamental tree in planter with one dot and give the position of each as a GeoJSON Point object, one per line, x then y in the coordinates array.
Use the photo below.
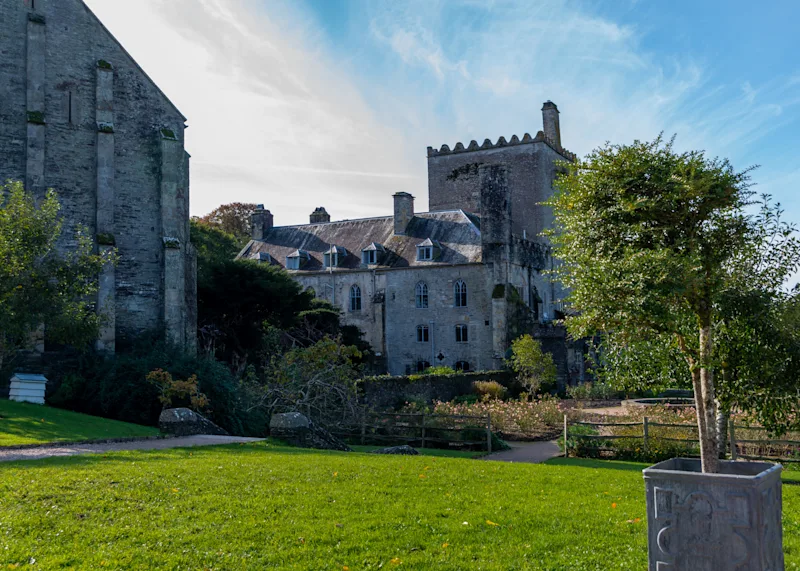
{"type": "Point", "coordinates": [657, 245]}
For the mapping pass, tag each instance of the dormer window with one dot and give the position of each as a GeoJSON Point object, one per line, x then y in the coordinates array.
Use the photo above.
{"type": "Point", "coordinates": [297, 259]}
{"type": "Point", "coordinates": [372, 254]}
{"type": "Point", "coordinates": [264, 258]}
{"type": "Point", "coordinates": [428, 250]}
{"type": "Point", "coordinates": [334, 256]}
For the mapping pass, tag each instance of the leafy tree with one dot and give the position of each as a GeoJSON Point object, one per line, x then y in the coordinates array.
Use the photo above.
{"type": "Point", "coordinates": [213, 245]}
{"type": "Point", "coordinates": [40, 285]}
{"type": "Point", "coordinates": [237, 301]}
{"type": "Point", "coordinates": [320, 380]}
{"type": "Point", "coordinates": [637, 365]}
{"type": "Point", "coordinates": [233, 218]}
{"type": "Point", "coordinates": [534, 367]}
{"type": "Point", "coordinates": [650, 240]}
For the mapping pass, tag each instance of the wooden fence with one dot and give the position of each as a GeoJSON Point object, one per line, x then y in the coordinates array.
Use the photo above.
{"type": "Point", "coordinates": [420, 430]}
{"type": "Point", "coordinates": [749, 448]}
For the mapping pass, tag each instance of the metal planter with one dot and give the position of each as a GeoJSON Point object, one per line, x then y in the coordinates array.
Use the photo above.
{"type": "Point", "coordinates": [714, 522]}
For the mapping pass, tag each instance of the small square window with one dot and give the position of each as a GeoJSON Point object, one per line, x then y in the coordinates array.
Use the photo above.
{"type": "Point", "coordinates": [425, 253]}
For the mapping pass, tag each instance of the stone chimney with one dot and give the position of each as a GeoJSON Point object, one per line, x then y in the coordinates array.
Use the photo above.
{"type": "Point", "coordinates": [260, 223]}
{"type": "Point", "coordinates": [319, 215]}
{"type": "Point", "coordinates": [552, 129]}
{"type": "Point", "coordinates": [403, 212]}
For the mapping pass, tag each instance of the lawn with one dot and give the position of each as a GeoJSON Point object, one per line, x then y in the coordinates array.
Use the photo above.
{"type": "Point", "coordinates": [262, 506]}
{"type": "Point", "coordinates": [24, 423]}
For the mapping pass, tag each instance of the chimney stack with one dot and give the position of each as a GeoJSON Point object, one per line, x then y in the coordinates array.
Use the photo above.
{"type": "Point", "coordinates": [552, 129]}
{"type": "Point", "coordinates": [403, 212]}
{"type": "Point", "coordinates": [319, 215]}
{"type": "Point", "coordinates": [260, 223]}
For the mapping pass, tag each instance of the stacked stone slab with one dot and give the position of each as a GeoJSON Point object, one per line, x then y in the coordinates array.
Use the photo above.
{"type": "Point", "coordinates": [78, 115]}
{"type": "Point", "coordinates": [298, 430]}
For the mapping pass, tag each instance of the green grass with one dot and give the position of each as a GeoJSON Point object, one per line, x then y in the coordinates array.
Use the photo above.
{"type": "Point", "coordinates": [437, 452]}
{"type": "Point", "coordinates": [262, 506]}
{"type": "Point", "coordinates": [24, 423]}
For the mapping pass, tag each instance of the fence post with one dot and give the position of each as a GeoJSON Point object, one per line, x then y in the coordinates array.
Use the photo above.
{"type": "Point", "coordinates": [734, 454]}
{"type": "Point", "coordinates": [423, 430]}
{"type": "Point", "coordinates": [489, 432]}
{"type": "Point", "coordinates": [566, 449]}
{"type": "Point", "coordinates": [646, 432]}
{"type": "Point", "coordinates": [364, 428]}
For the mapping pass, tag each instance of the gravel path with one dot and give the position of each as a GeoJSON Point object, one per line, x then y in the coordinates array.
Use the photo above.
{"type": "Point", "coordinates": [153, 444]}
{"type": "Point", "coordinates": [529, 452]}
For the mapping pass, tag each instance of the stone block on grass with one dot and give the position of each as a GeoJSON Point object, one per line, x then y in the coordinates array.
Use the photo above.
{"type": "Point", "coordinates": [298, 430]}
{"type": "Point", "coordinates": [186, 422]}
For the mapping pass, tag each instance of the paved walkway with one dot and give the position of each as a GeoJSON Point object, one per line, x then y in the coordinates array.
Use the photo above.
{"type": "Point", "coordinates": [153, 444]}
{"type": "Point", "coordinates": [530, 452]}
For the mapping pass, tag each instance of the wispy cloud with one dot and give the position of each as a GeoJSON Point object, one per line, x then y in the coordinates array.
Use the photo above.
{"type": "Point", "coordinates": [283, 115]}
{"type": "Point", "coordinates": [272, 119]}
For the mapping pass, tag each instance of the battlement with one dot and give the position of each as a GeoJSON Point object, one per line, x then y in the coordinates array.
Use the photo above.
{"type": "Point", "coordinates": [501, 142]}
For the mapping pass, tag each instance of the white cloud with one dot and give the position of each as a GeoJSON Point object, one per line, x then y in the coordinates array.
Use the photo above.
{"type": "Point", "coordinates": [280, 114]}
{"type": "Point", "coordinates": [272, 119]}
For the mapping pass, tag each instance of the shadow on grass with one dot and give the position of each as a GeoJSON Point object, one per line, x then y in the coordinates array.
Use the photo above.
{"type": "Point", "coordinates": [599, 464]}
{"type": "Point", "coordinates": [155, 455]}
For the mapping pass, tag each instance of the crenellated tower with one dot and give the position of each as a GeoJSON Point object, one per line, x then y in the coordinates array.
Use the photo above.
{"type": "Point", "coordinates": [531, 165]}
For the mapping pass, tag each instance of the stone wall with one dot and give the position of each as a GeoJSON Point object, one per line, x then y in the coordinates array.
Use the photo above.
{"type": "Point", "coordinates": [454, 181]}
{"type": "Point", "coordinates": [78, 115]}
{"type": "Point", "coordinates": [392, 392]}
{"type": "Point", "coordinates": [389, 316]}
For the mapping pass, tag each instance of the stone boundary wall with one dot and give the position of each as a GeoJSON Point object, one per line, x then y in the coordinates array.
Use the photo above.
{"type": "Point", "coordinates": [392, 392]}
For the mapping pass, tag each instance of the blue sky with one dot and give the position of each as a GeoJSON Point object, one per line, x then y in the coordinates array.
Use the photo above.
{"type": "Point", "coordinates": [304, 103]}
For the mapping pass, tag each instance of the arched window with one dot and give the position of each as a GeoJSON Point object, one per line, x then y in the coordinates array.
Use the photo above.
{"type": "Point", "coordinates": [460, 291]}
{"type": "Point", "coordinates": [422, 295]}
{"type": "Point", "coordinates": [422, 334]}
{"type": "Point", "coordinates": [462, 366]}
{"type": "Point", "coordinates": [461, 334]}
{"type": "Point", "coordinates": [355, 298]}
{"type": "Point", "coordinates": [423, 366]}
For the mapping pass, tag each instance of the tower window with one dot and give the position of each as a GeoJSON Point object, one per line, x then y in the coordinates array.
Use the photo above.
{"type": "Point", "coordinates": [460, 292]}
{"type": "Point", "coordinates": [462, 335]}
{"type": "Point", "coordinates": [355, 298]}
{"type": "Point", "coordinates": [422, 295]}
{"type": "Point", "coordinates": [422, 334]}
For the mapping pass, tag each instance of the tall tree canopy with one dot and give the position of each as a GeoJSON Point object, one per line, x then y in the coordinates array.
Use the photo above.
{"type": "Point", "coordinates": [653, 244]}
{"type": "Point", "coordinates": [233, 218]}
{"type": "Point", "coordinates": [40, 286]}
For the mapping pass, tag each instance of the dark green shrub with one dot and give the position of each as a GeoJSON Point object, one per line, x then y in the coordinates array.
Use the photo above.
{"type": "Point", "coordinates": [118, 388]}
{"type": "Point", "coordinates": [489, 389]}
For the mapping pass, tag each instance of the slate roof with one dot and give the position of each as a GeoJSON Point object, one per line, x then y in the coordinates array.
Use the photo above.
{"type": "Point", "coordinates": [457, 233]}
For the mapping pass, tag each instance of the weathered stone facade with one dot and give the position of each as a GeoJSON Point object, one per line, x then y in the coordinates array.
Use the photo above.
{"type": "Point", "coordinates": [78, 115]}
{"type": "Point", "coordinates": [483, 233]}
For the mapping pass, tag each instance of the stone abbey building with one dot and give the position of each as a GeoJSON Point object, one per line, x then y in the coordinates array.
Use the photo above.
{"type": "Point", "coordinates": [453, 286]}
{"type": "Point", "coordinates": [78, 115]}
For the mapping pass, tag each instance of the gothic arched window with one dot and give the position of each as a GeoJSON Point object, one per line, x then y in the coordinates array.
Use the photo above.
{"type": "Point", "coordinates": [422, 295]}
{"type": "Point", "coordinates": [460, 291]}
{"type": "Point", "coordinates": [355, 298]}
{"type": "Point", "coordinates": [462, 366]}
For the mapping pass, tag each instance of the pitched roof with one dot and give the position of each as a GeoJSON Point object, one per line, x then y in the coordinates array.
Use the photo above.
{"type": "Point", "coordinates": [458, 235]}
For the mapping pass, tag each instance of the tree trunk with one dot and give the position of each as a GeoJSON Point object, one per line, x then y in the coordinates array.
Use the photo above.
{"type": "Point", "coordinates": [722, 430]}
{"type": "Point", "coordinates": [706, 402]}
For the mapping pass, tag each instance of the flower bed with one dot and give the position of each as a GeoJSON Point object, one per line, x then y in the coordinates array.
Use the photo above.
{"type": "Point", "coordinates": [514, 419]}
